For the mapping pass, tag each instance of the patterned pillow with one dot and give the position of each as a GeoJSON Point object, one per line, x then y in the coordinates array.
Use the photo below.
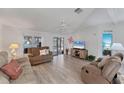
{"type": "Point", "coordinates": [43, 52]}
{"type": "Point", "coordinates": [12, 69]}
{"type": "Point", "coordinates": [47, 51]}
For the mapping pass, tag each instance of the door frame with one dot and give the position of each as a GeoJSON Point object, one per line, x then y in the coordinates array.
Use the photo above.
{"type": "Point", "coordinates": [58, 47]}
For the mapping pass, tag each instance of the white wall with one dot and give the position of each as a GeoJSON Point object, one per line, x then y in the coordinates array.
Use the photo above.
{"type": "Point", "coordinates": [10, 35]}
{"type": "Point", "coordinates": [0, 39]}
{"type": "Point", "coordinates": [88, 35]}
{"type": "Point", "coordinates": [93, 36]}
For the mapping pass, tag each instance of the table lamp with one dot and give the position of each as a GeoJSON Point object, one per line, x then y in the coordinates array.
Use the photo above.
{"type": "Point", "coordinates": [13, 47]}
{"type": "Point", "coordinates": [117, 47]}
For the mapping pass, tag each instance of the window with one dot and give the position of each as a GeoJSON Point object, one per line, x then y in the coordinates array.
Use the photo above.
{"type": "Point", "coordinates": [107, 43]}
{"type": "Point", "coordinates": [30, 41]}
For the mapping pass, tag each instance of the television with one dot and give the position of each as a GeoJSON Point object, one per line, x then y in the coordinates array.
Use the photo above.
{"type": "Point", "coordinates": [79, 44]}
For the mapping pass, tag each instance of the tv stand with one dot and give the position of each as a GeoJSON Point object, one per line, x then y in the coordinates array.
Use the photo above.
{"type": "Point", "coordinates": [79, 53]}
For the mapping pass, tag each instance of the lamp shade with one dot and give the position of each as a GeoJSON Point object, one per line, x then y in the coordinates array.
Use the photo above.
{"type": "Point", "coordinates": [14, 46]}
{"type": "Point", "coordinates": [117, 46]}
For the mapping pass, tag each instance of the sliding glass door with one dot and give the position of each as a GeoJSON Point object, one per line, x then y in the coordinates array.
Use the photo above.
{"type": "Point", "coordinates": [55, 45]}
{"type": "Point", "coordinates": [58, 45]}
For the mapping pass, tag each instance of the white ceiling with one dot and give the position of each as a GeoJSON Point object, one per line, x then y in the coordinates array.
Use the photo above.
{"type": "Point", "coordinates": [52, 19]}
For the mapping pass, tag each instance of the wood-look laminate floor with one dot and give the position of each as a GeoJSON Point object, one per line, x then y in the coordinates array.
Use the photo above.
{"type": "Point", "coordinates": [63, 70]}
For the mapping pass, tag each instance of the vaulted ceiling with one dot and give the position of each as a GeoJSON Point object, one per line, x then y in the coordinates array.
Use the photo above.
{"type": "Point", "coordinates": [59, 20]}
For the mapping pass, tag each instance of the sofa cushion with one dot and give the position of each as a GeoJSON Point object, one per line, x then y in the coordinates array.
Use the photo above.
{"type": "Point", "coordinates": [12, 69]}
{"type": "Point", "coordinates": [35, 51]}
{"type": "Point", "coordinates": [26, 66]}
{"type": "Point", "coordinates": [4, 79]}
{"type": "Point", "coordinates": [3, 58]}
{"type": "Point", "coordinates": [27, 76]}
{"type": "Point", "coordinates": [41, 58]}
{"type": "Point", "coordinates": [4, 75]}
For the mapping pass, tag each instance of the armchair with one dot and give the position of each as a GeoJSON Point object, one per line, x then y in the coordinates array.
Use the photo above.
{"type": "Point", "coordinates": [93, 74]}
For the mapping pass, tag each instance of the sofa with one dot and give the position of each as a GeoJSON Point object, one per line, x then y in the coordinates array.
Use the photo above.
{"type": "Point", "coordinates": [26, 77]}
{"type": "Point", "coordinates": [103, 72]}
{"type": "Point", "coordinates": [35, 58]}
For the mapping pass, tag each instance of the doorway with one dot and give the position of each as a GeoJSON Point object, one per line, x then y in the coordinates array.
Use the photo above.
{"type": "Point", "coordinates": [58, 46]}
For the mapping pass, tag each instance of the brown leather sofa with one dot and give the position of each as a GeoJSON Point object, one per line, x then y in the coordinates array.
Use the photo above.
{"type": "Point", "coordinates": [35, 57]}
{"type": "Point", "coordinates": [103, 72]}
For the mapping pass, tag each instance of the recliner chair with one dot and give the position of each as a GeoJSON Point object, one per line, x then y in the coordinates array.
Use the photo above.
{"type": "Point", "coordinates": [95, 74]}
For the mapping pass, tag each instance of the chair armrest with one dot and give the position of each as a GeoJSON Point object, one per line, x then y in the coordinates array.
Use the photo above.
{"type": "Point", "coordinates": [23, 59]}
{"type": "Point", "coordinates": [94, 64]}
{"type": "Point", "coordinates": [90, 74]}
{"type": "Point", "coordinates": [92, 69]}
{"type": "Point", "coordinates": [98, 59]}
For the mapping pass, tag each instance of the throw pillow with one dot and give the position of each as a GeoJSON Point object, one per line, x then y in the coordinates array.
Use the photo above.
{"type": "Point", "coordinates": [43, 52]}
{"type": "Point", "coordinates": [12, 69]}
{"type": "Point", "coordinates": [47, 51]}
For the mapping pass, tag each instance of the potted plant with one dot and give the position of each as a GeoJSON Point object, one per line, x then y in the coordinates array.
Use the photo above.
{"type": "Point", "coordinates": [90, 58]}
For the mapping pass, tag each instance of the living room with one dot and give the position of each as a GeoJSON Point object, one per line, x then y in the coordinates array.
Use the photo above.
{"type": "Point", "coordinates": [28, 32]}
{"type": "Point", "coordinates": [10, 30]}
{"type": "Point", "coordinates": [94, 31]}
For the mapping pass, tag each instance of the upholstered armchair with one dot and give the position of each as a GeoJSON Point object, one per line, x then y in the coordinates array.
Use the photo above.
{"type": "Point", "coordinates": [102, 72]}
